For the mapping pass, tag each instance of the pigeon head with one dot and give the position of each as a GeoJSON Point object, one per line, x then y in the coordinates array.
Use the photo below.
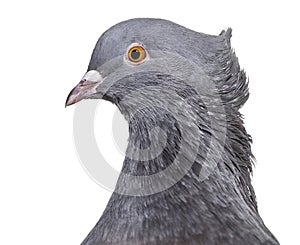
{"type": "Point", "coordinates": [137, 53]}
{"type": "Point", "coordinates": [186, 173]}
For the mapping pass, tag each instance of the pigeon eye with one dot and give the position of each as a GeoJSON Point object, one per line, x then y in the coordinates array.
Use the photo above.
{"type": "Point", "coordinates": [136, 54]}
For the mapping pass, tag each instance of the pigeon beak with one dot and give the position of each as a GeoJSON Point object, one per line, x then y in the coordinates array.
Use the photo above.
{"type": "Point", "coordinates": [85, 88]}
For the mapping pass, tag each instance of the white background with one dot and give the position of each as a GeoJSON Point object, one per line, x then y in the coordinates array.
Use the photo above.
{"type": "Point", "coordinates": [46, 197]}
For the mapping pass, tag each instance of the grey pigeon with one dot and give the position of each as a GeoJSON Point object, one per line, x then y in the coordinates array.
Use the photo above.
{"type": "Point", "coordinates": [186, 177]}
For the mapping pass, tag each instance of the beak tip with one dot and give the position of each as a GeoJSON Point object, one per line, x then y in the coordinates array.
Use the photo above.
{"type": "Point", "coordinates": [70, 102]}
{"type": "Point", "coordinates": [72, 97]}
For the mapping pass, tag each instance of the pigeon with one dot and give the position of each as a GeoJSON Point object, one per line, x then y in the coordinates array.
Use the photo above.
{"type": "Point", "coordinates": [186, 175]}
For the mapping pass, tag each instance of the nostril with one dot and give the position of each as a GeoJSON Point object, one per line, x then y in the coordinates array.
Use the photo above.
{"type": "Point", "coordinates": [82, 82]}
{"type": "Point", "coordinates": [90, 78]}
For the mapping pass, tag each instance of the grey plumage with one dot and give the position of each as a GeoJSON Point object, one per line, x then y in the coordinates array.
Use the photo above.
{"type": "Point", "coordinates": [221, 209]}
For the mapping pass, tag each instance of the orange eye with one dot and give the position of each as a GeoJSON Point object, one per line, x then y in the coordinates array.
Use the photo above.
{"type": "Point", "coordinates": [136, 54]}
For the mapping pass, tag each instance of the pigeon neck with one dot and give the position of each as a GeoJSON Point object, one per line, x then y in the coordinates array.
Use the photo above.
{"type": "Point", "coordinates": [154, 141]}
{"type": "Point", "coordinates": [210, 207]}
{"type": "Point", "coordinates": [157, 142]}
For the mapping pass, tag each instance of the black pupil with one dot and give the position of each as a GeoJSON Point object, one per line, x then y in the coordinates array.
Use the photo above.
{"type": "Point", "coordinates": [135, 54]}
